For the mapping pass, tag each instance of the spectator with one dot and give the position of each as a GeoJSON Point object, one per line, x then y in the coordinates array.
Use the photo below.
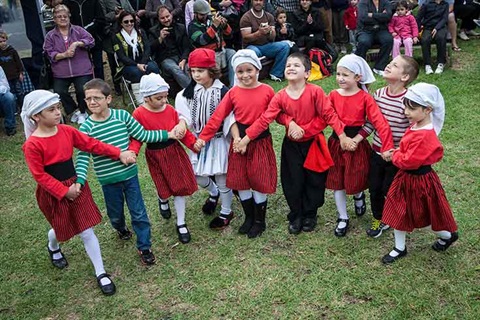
{"type": "Point", "coordinates": [326, 13]}
{"type": "Point", "coordinates": [284, 30]}
{"type": "Point", "coordinates": [308, 26]}
{"type": "Point", "coordinates": [232, 10]}
{"type": "Point", "coordinates": [7, 105]}
{"type": "Point", "coordinates": [403, 28]}
{"type": "Point", "coordinates": [290, 6]}
{"type": "Point", "coordinates": [467, 11]}
{"type": "Point", "coordinates": [340, 34]}
{"type": "Point", "coordinates": [173, 6]}
{"type": "Point", "coordinates": [350, 20]}
{"type": "Point", "coordinates": [12, 66]}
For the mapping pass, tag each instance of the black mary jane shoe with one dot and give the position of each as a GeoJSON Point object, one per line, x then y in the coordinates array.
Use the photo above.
{"type": "Point", "coordinates": [58, 263]}
{"type": "Point", "coordinates": [295, 227]}
{"type": "Point", "coordinates": [360, 210]}
{"type": "Point", "coordinates": [388, 259]}
{"type": "Point", "coordinates": [165, 213]}
{"type": "Point", "coordinates": [210, 206]}
{"type": "Point", "coordinates": [444, 244]}
{"type": "Point", "coordinates": [183, 237]}
{"type": "Point", "coordinates": [107, 289]}
{"type": "Point", "coordinates": [342, 232]}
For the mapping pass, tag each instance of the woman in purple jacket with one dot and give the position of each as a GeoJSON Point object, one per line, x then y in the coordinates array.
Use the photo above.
{"type": "Point", "coordinates": [67, 48]}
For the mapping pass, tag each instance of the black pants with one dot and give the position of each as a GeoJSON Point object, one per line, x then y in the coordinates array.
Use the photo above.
{"type": "Point", "coordinates": [441, 42]}
{"type": "Point", "coordinates": [304, 189]}
{"type": "Point", "coordinates": [366, 39]}
{"type": "Point", "coordinates": [467, 13]}
{"type": "Point", "coordinates": [380, 178]}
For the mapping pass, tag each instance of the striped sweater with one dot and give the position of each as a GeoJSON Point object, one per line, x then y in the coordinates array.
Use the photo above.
{"type": "Point", "coordinates": [392, 109]}
{"type": "Point", "coordinates": [116, 130]}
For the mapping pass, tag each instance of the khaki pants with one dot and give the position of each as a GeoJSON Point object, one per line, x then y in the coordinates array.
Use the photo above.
{"type": "Point", "coordinates": [327, 23]}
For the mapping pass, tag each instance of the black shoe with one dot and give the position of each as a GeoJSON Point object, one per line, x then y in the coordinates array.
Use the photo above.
{"type": "Point", "coordinates": [124, 235]}
{"type": "Point", "coordinates": [167, 213]}
{"type": "Point", "coordinates": [11, 132]}
{"type": "Point", "coordinates": [341, 232]}
{"type": "Point", "coordinates": [221, 222]}
{"type": "Point", "coordinates": [210, 206]}
{"type": "Point", "coordinates": [58, 263]}
{"type": "Point", "coordinates": [248, 210]}
{"type": "Point", "coordinates": [107, 289]}
{"type": "Point", "coordinates": [360, 211]}
{"type": "Point", "coordinates": [147, 257]}
{"type": "Point", "coordinates": [309, 224]}
{"type": "Point", "coordinates": [183, 237]}
{"type": "Point", "coordinates": [388, 259]}
{"type": "Point", "coordinates": [295, 227]}
{"type": "Point", "coordinates": [444, 244]}
{"type": "Point", "coordinates": [259, 224]}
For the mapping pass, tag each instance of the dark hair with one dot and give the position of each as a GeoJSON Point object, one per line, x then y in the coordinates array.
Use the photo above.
{"type": "Point", "coordinates": [122, 15]}
{"type": "Point", "coordinates": [403, 4]}
{"type": "Point", "coordinates": [303, 58]}
{"type": "Point", "coordinates": [411, 104]}
{"type": "Point", "coordinates": [279, 11]}
{"type": "Point", "coordinates": [411, 68]}
{"type": "Point", "coordinates": [213, 72]}
{"type": "Point", "coordinates": [163, 7]}
{"type": "Point", "coordinates": [98, 84]}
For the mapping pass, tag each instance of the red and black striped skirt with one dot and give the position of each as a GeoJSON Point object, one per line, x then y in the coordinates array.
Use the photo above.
{"type": "Point", "coordinates": [417, 201]}
{"type": "Point", "coordinates": [350, 169]}
{"type": "Point", "coordinates": [69, 218]}
{"type": "Point", "coordinates": [256, 169]}
{"type": "Point", "coordinates": [171, 171]}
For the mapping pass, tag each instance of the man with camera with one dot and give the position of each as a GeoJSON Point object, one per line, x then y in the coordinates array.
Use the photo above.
{"type": "Point", "coordinates": [209, 31]}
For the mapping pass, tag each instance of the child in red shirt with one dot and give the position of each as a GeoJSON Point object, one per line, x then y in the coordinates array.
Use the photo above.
{"type": "Point", "coordinates": [350, 20]}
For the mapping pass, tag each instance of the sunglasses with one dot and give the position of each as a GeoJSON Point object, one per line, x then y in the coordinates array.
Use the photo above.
{"type": "Point", "coordinates": [128, 21]}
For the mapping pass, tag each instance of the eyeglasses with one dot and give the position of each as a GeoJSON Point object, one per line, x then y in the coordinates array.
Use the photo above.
{"type": "Point", "coordinates": [96, 99]}
{"type": "Point", "coordinates": [128, 21]}
{"type": "Point", "coordinates": [61, 17]}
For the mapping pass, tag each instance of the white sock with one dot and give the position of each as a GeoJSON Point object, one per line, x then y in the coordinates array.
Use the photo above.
{"type": "Point", "coordinates": [245, 194]}
{"type": "Point", "coordinates": [443, 235]}
{"type": "Point", "coordinates": [92, 247]}
{"type": "Point", "coordinates": [226, 195]}
{"type": "Point", "coordinates": [400, 237]}
{"type": "Point", "coordinates": [259, 197]}
{"type": "Point", "coordinates": [358, 203]}
{"type": "Point", "coordinates": [207, 183]}
{"type": "Point", "coordinates": [165, 205]}
{"type": "Point", "coordinates": [179, 203]}
{"type": "Point", "coordinates": [53, 244]}
{"type": "Point", "coordinates": [341, 202]}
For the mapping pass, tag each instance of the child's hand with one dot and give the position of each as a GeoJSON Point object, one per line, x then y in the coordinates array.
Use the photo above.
{"type": "Point", "coordinates": [394, 34]}
{"type": "Point", "coordinates": [199, 144]}
{"type": "Point", "coordinates": [20, 77]}
{"type": "Point", "coordinates": [127, 157]}
{"type": "Point", "coordinates": [352, 146]}
{"type": "Point", "coordinates": [415, 40]}
{"type": "Point", "coordinates": [387, 155]}
{"type": "Point", "coordinates": [284, 30]}
{"type": "Point", "coordinates": [73, 192]}
{"type": "Point", "coordinates": [180, 129]}
{"type": "Point", "coordinates": [295, 131]}
{"type": "Point", "coordinates": [241, 146]}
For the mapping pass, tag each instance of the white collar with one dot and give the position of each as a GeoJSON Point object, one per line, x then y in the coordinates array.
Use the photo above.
{"type": "Point", "coordinates": [253, 12]}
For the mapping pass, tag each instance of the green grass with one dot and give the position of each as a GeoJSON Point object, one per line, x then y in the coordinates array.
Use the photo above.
{"type": "Point", "coordinates": [222, 275]}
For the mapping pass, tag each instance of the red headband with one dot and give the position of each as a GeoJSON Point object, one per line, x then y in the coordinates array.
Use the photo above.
{"type": "Point", "coordinates": [202, 58]}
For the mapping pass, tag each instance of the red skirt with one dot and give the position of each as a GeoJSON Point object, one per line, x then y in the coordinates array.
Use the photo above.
{"type": "Point", "coordinates": [417, 201]}
{"type": "Point", "coordinates": [171, 171]}
{"type": "Point", "coordinates": [350, 169]}
{"type": "Point", "coordinates": [69, 218]}
{"type": "Point", "coordinates": [256, 169]}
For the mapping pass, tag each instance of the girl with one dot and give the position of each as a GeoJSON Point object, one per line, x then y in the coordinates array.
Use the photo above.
{"type": "Point", "coordinates": [283, 30]}
{"type": "Point", "coordinates": [196, 104]}
{"type": "Point", "coordinates": [304, 110]}
{"type": "Point", "coordinates": [253, 172]}
{"type": "Point", "coordinates": [168, 163]}
{"type": "Point", "coordinates": [349, 175]}
{"type": "Point", "coordinates": [416, 198]}
{"type": "Point", "coordinates": [404, 29]}
{"type": "Point", "coordinates": [68, 208]}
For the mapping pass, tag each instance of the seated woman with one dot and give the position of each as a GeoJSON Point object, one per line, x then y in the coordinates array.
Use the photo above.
{"type": "Point", "coordinates": [372, 27]}
{"type": "Point", "coordinates": [67, 48]}
{"type": "Point", "coordinates": [308, 26]}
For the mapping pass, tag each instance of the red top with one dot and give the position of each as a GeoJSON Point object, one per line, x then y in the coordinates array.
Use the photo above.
{"type": "Point", "coordinates": [350, 18]}
{"type": "Point", "coordinates": [163, 120]}
{"type": "Point", "coordinates": [44, 151]}
{"type": "Point", "coordinates": [354, 110]}
{"type": "Point", "coordinates": [311, 111]}
{"type": "Point", "coordinates": [247, 106]}
{"type": "Point", "coordinates": [418, 148]}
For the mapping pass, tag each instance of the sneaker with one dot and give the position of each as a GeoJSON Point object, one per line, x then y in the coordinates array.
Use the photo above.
{"type": "Point", "coordinates": [147, 257]}
{"type": "Point", "coordinates": [124, 235]}
{"type": "Point", "coordinates": [379, 72]}
{"type": "Point", "coordinates": [472, 33]}
{"type": "Point", "coordinates": [74, 117]}
{"type": "Point", "coordinates": [81, 118]}
{"type": "Point", "coordinates": [439, 69]}
{"type": "Point", "coordinates": [428, 69]}
{"type": "Point", "coordinates": [377, 228]}
{"type": "Point", "coordinates": [343, 49]}
{"type": "Point", "coordinates": [275, 78]}
{"type": "Point", "coordinates": [462, 35]}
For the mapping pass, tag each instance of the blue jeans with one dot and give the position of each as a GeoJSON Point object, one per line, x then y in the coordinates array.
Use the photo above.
{"type": "Point", "coordinates": [7, 108]}
{"type": "Point", "coordinates": [133, 74]}
{"type": "Point", "coordinates": [115, 195]}
{"type": "Point", "coordinates": [170, 67]}
{"type": "Point", "coordinates": [61, 85]}
{"type": "Point", "coordinates": [274, 50]}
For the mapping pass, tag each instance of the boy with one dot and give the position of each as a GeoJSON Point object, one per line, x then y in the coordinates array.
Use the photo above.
{"type": "Point", "coordinates": [119, 183]}
{"type": "Point", "coordinates": [12, 65]}
{"type": "Point", "coordinates": [400, 72]}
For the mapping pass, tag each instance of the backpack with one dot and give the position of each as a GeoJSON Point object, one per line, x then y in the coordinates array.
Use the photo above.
{"type": "Point", "coordinates": [323, 59]}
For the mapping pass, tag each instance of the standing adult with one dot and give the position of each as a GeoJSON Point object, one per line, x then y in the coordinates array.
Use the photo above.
{"type": "Point", "coordinates": [325, 8]}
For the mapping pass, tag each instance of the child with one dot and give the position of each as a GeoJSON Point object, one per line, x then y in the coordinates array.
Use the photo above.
{"type": "Point", "coordinates": [304, 110]}
{"type": "Point", "coordinates": [254, 171]}
{"type": "Point", "coordinates": [284, 30]}
{"type": "Point", "coordinates": [400, 72]}
{"type": "Point", "coordinates": [432, 17]}
{"type": "Point", "coordinates": [196, 104]}
{"type": "Point", "coordinates": [350, 20]}
{"type": "Point", "coordinates": [69, 209]}
{"type": "Point", "coordinates": [168, 163]}
{"type": "Point", "coordinates": [404, 29]}
{"type": "Point", "coordinates": [416, 198]}
{"type": "Point", "coordinates": [119, 183]}
{"type": "Point", "coordinates": [12, 65]}
{"type": "Point", "coordinates": [349, 175]}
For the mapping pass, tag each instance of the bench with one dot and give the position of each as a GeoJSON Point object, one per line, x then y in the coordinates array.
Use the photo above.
{"type": "Point", "coordinates": [372, 54]}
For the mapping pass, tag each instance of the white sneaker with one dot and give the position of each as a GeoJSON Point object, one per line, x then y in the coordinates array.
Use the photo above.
{"type": "Point", "coordinates": [439, 68]}
{"type": "Point", "coordinates": [275, 78]}
{"type": "Point", "coordinates": [472, 33]}
{"type": "Point", "coordinates": [462, 35]}
{"type": "Point", "coordinates": [74, 117]}
{"type": "Point", "coordinates": [428, 69]}
{"type": "Point", "coordinates": [343, 49]}
{"type": "Point", "coordinates": [379, 72]}
{"type": "Point", "coordinates": [81, 118]}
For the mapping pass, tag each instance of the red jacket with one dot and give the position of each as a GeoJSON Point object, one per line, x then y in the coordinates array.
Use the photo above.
{"type": "Point", "coordinates": [350, 18]}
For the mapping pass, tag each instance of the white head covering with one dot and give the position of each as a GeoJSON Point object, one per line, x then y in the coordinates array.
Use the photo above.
{"type": "Point", "coordinates": [34, 103]}
{"type": "Point", "coordinates": [246, 56]}
{"type": "Point", "coordinates": [358, 66]}
{"type": "Point", "coordinates": [428, 95]}
{"type": "Point", "coordinates": [152, 84]}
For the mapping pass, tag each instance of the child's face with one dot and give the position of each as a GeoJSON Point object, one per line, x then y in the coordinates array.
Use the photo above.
{"type": "Point", "coordinates": [50, 116]}
{"type": "Point", "coordinates": [247, 75]}
{"type": "Point", "coordinates": [305, 4]}
{"type": "Point", "coordinates": [346, 79]}
{"type": "Point", "coordinates": [295, 70]}
{"type": "Point", "coordinates": [282, 18]}
{"type": "Point", "coordinates": [401, 11]}
{"type": "Point", "coordinates": [3, 42]}
{"type": "Point", "coordinates": [158, 101]}
{"type": "Point", "coordinates": [417, 114]}
{"type": "Point", "coordinates": [354, 3]}
{"type": "Point", "coordinates": [201, 76]}
{"type": "Point", "coordinates": [395, 71]}
{"type": "Point", "coordinates": [96, 101]}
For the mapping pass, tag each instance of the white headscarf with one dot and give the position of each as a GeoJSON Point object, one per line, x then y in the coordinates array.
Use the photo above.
{"type": "Point", "coordinates": [246, 56]}
{"type": "Point", "coordinates": [151, 84]}
{"type": "Point", "coordinates": [358, 66]}
{"type": "Point", "coordinates": [428, 95]}
{"type": "Point", "coordinates": [131, 40]}
{"type": "Point", "coordinates": [34, 103]}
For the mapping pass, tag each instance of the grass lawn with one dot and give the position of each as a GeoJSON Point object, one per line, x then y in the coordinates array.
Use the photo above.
{"type": "Point", "coordinates": [223, 275]}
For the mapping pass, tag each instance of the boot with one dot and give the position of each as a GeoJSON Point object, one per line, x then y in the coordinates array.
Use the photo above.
{"type": "Point", "coordinates": [248, 208]}
{"type": "Point", "coordinates": [136, 93]}
{"type": "Point", "coordinates": [259, 224]}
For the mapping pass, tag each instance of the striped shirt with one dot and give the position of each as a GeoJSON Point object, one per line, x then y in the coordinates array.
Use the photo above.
{"type": "Point", "coordinates": [392, 109]}
{"type": "Point", "coordinates": [116, 130]}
